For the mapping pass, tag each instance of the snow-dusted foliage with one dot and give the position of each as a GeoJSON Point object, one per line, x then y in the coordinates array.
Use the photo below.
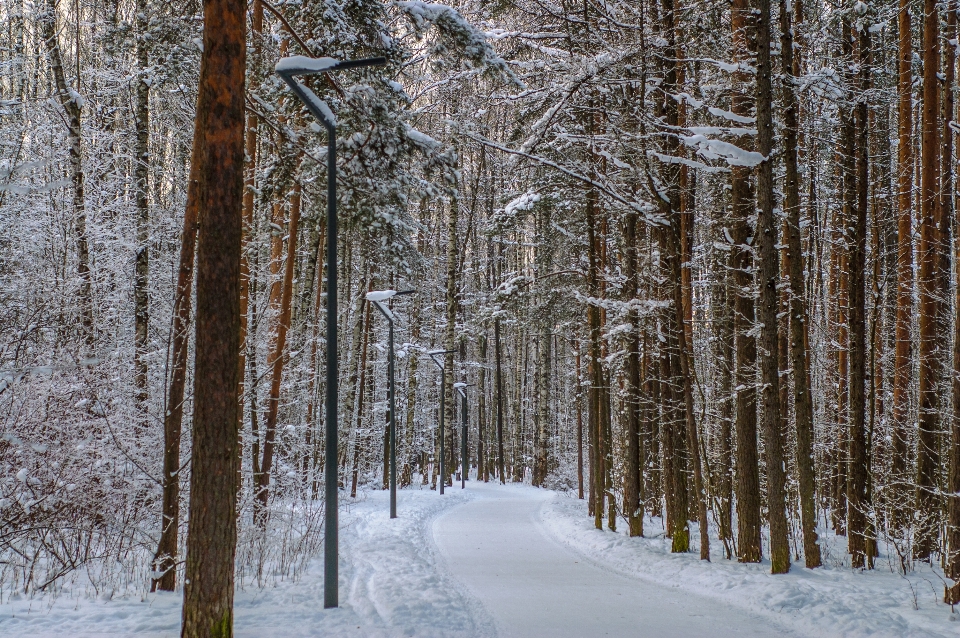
{"type": "Point", "coordinates": [584, 198]}
{"type": "Point", "coordinates": [80, 455]}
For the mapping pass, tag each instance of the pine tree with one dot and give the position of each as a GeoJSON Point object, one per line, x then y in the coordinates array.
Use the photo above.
{"type": "Point", "coordinates": [212, 534]}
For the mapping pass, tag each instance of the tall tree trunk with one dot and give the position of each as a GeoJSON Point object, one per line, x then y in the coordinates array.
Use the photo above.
{"type": "Point", "coordinates": [164, 560]}
{"type": "Point", "coordinates": [212, 536]}
{"type": "Point", "coordinates": [249, 190]}
{"type": "Point", "coordinates": [768, 273]}
{"type": "Point", "coordinates": [544, 262]}
{"type": "Point", "coordinates": [741, 195]}
{"type": "Point", "coordinates": [856, 240]}
{"type": "Point", "coordinates": [671, 256]}
{"type": "Point", "coordinates": [654, 426]}
{"type": "Point", "coordinates": [671, 439]}
{"type": "Point", "coordinates": [411, 407]}
{"type": "Point", "coordinates": [141, 279]}
{"type": "Point", "coordinates": [359, 381]}
{"type": "Point", "coordinates": [723, 355]}
{"type": "Point", "coordinates": [579, 410]}
{"type": "Point", "coordinates": [841, 289]}
{"type": "Point", "coordinates": [607, 434]}
{"type": "Point", "coordinates": [313, 408]}
{"type": "Point", "coordinates": [71, 102]}
{"type": "Point", "coordinates": [931, 291]}
{"type": "Point", "coordinates": [673, 352]}
{"type": "Point", "coordinates": [693, 435]}
{"type": "Point", "coordinates": [803, 400]}
{"type": "Point", "coordinates": [593, 363]}
{"type": "Point", "coordinates": [902, 364]}
{"type": "Point", "coordinates": [541, 462]}
{"type": "Point", "coordinates": [952, 562]}
{"type": "Point", "coordinates": [276, 359]}
{"type": "Point", "coordinates": [633, 472]}
{"type": "Point", "coordinates": [450, 337]}
{"type": "Point", "coordinates": [520, 414]}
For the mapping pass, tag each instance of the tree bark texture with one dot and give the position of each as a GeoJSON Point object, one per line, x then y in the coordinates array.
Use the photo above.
{"type": "Point", "coordinates": [633, 471]}
{"type": "Point", "coordinates": [802, 396]}
{"type": "Point", "coordinates": [902, 365]}
{"type": "Point", "coordinates": [741, 196]}
{"type": "Point", "coordinates": [212, 536]}
{"type": "Point", "coordinates": [856, 239]}
{"type": "Point", "coordinates": [931, 291]}
{"type": "Point", "coordinates": [768, 273]}
{"type": "Point", "coordinates": [164, 561]}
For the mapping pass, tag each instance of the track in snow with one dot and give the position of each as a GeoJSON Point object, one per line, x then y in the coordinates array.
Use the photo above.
{"type": "Point", "coordinates": [497, 548]}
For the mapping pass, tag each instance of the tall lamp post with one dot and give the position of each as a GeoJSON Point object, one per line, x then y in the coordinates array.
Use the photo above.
{"type": "Point", "coordinates": [443, 386]}
{"type": "Point", "coordinates": [377, 297]}
{"type": "Point", "coordinates": [464, 464]}
{"type": "Point", "coordinates": [288, 69]}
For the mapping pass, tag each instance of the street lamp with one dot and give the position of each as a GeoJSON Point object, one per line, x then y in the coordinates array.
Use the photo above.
{"type": "Point", "coordinates": [288, 69]}
{"type": "Point", "coordinates": [443, 386]}
{"type": "Point", "coordinates": [376, 297]}
{"type": "Point", "coordinates": [464, 464]}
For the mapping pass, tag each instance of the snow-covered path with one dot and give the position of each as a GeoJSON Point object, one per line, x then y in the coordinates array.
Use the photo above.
{"type": "Point", "coordinates": [497, 547]}
{"type": "Point", "coordinates": [515, 561]}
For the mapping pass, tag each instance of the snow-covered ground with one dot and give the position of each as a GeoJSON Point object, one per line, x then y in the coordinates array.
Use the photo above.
{"type": "Point", "coordinates": [514, 560]}
{"type": "Point", "coordinates": [390, 585]}
{"type": "Point", "coordinates": [534, 586]}
{"type": "Point", "coordinates": [828, 601]}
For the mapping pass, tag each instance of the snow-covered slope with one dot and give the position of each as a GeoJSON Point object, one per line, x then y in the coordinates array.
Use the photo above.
{"type": "Point", "coordinates": [828, 601]}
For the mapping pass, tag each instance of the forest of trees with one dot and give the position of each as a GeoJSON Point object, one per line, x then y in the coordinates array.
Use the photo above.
{"type": "Point", "coordinates": [697, 260]}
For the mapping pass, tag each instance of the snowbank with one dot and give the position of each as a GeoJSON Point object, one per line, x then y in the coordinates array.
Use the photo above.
{"type": "Point", "coordinates": [829, 601]}
{"type": "Point", "coordinates": [391, 584]}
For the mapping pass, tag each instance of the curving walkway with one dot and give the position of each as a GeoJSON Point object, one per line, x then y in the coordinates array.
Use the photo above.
{"type": "Point", "coordinates": [497, 548]}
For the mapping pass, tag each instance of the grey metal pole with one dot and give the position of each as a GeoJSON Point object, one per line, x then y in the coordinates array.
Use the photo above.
{"type": "Point", "coordinates": [443, 380]}
{"type": "Point", "coordinates": [464, 462]}
{"type": "Point", "coordinates": [391, 392]}
{"type": "Point", "coordinates": [393, 430]}
{"type": "Point", "coordinates": [331, 594]}
{"type": "Point", "coordinates": [331, 540]}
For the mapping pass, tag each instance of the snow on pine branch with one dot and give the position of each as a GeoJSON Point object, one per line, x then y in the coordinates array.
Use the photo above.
{"type": "Point", "coordinates": [700, 166]}
{"type": "Point", "coordinates": [459, 33]}
{"type": "Point", "coordinates": [422, 139]}
{"type": "Point", "coordinates": [733, 117]}
{"type": "Point", "coordinates": [716, 149]}
{"type": "Point", "coordinates": [646, 209]}
{"type": "Point", "coordinates": [524, 203]}
{"type": "Point", "coordinates": [642, 307]}
{"type": "Point", "coordinates": [727, 115]}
